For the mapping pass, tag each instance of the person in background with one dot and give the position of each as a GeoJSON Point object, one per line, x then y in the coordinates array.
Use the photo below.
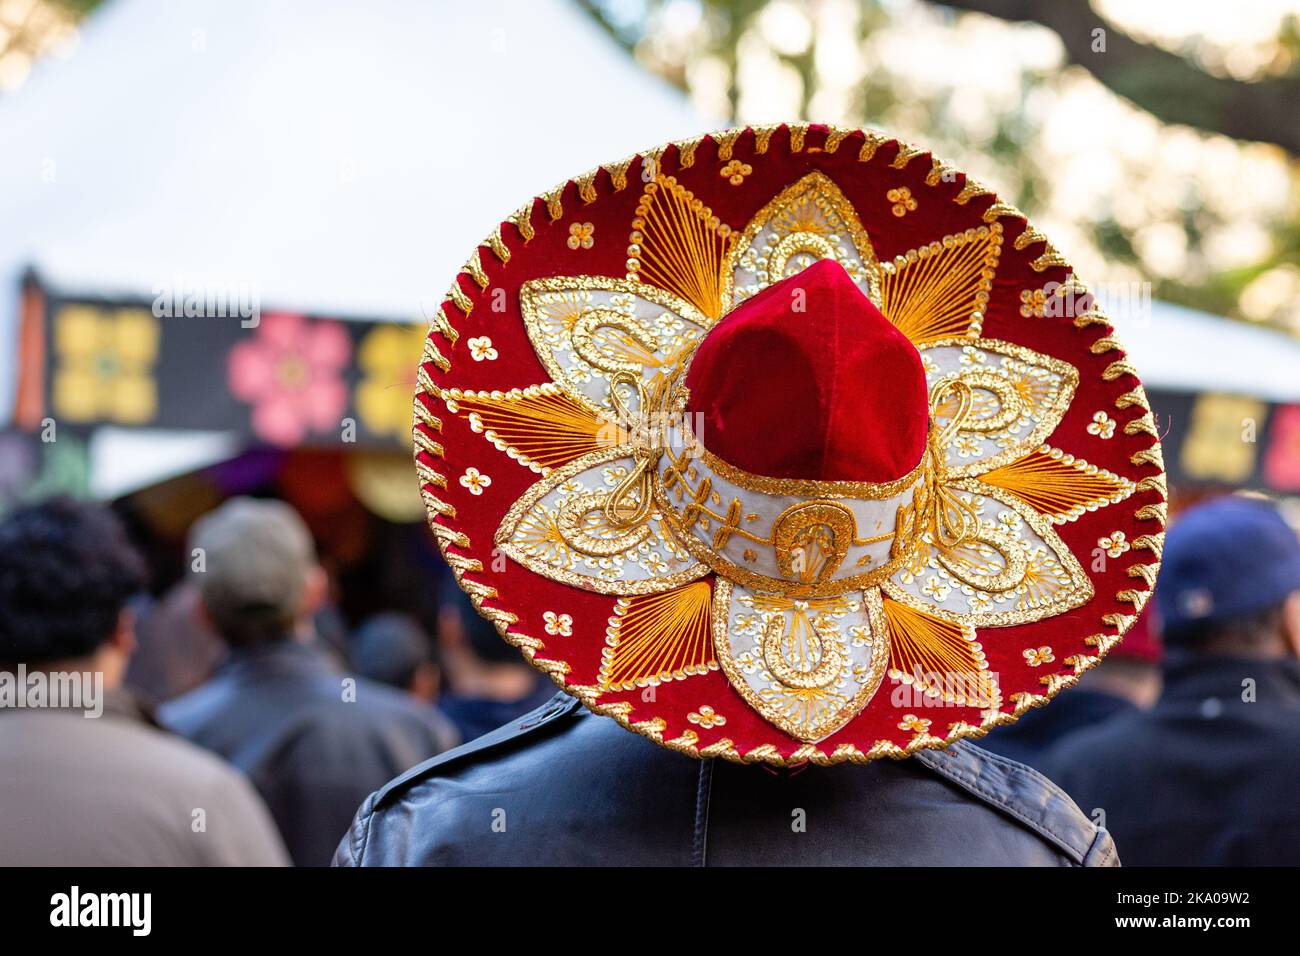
{"type": "Point", "coordinates": [1209, 776]}
{"type": "Point", "coordinates": [85, 788]}
{"type": "Point", "coordinates": [391, 648]}
{"type": "Point", "coordinates": [488, 682]}
{"type": "Point", "coordinates": [1127, 681]}
{"type": "Point", "coordinates": [313, 739]}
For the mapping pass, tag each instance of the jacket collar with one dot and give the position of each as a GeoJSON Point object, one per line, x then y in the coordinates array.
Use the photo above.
{"type": "Point", "coordinates": [286, 658]}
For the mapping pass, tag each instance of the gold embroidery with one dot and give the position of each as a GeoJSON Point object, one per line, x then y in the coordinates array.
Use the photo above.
{"type": "Point", "coordinates": [1059, 485]}
{"type": "Point", "coordinates": [807, 221]}
{"type": "Point", "coordinates": [941, 657]}
{"type": "Point", "coordinates": [559, 529]}
{"type": "Point", "coordinates": [942, 289]}
{"type": "Point", "coordinates": [541, 426]}
{"type": "Point", "coordinates": [808, 667]}
{"type": "Point", "coordinates": [902, 200]}
{"type": "Point", "coordinates": [678, 245]}
{"type": "Point", "coordinates": [658, 637]}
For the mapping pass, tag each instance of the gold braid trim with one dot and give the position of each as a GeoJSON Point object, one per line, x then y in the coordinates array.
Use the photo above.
{"type": "Point", "coordinates": [686, 153]}
{"type": "Point", "coordinates": [1000, 209]}
{"type": "Point", "coordinates": [1048, 259]}
{"type": "Point", "coordinates": [763, 137]}
{"type": "Point", "coordinates": [474, 269]}
{"type": "Point", "coordinates": [586, 184]}
{"type": "Point", "coordinates": [797, 133]}
{"type": "Point", "coordinates": [834, 136]}
{"type": "Point", "coordinates": [498, 245]}
{"type": "Point", "coordinates": [938, 170]}
{"type": "Point", "coordinates": [1134, 399]}
{"type": "Point", "coordinates": [1115, 369]}
{"type": "Point", "coordinates": [725, 140]}
{"type": "Point", "coordinates": [1143, 425]}
{"type": "Point", "coordinates": [554, 201]}
{"type": "Point", "coordinates": [440, 325]}
{"type": "Point", "coordinates": [1028, 237]}
{"type": "Point", "coordinates": [520, 218]}
{"type": "Point", "coordinates": [618, 172]}
{"type": "Point", "coordinates": [1147, 572]}
{"type": "Point", "coordinates": [1106, 343]}
{"type": "Point", "coordinates": [1155, 543]}
{"type": "Point", "coordinates": [970, 190]}
{"type": "Point", "coordinates": [906, 153]}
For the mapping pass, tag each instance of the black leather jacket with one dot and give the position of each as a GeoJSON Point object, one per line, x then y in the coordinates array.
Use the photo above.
{"type": "Point", "coordinates": [562, 786]}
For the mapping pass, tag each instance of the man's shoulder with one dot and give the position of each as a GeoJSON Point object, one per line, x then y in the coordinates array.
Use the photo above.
{"type": "Point", "coordinates": [573, 772]}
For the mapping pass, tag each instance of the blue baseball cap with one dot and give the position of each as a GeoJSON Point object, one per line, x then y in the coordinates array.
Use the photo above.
{"type": "Point", "coordinates": [1226, 558]}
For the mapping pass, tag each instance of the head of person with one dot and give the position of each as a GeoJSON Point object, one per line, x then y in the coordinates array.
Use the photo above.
{"type": "Point", "coordinates": [1230, 581]}
{"type": "Point", "coordinates": [393, 649]}
{"type": "Point", "coordinates": [254, 564]}
{"type": "Point", "coordinates": [67, 573]}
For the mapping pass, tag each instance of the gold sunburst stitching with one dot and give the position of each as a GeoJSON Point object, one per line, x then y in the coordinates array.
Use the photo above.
{"type": "Point", "coordinates": [942, 289]}
{"type": "Point", "coordinates": [658, 637]}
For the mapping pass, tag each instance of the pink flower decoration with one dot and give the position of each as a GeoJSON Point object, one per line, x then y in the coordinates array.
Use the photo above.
{"type": "Point", "coordinates": [1282, 460]}
{"type": "Point", "coordinates": [290, 371]}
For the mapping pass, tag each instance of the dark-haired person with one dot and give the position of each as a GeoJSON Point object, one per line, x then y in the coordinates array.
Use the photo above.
{"type": "Point", "coordinates": [86, 778]}
{"type": "Point", "coordinates": [313, 740]}
{"type": "Point", "coordinates": [488, 684]}
{"type": "Point", "coordinates": [391, 648]}
{"type": "Point", "coordinates": [1210, 775]}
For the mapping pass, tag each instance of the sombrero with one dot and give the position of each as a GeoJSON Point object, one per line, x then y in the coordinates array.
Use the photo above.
{"type": "Point", "coordinates": [789, 444]}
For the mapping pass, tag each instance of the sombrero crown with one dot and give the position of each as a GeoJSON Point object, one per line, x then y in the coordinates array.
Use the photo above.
{"type": "Point", "coordinates": [725, 435]}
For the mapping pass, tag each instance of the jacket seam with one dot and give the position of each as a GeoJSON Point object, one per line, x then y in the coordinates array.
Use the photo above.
{"type": "Point", "coordinates": [703, 795]}
{"type": "Point", "coordinates": [971, 782]}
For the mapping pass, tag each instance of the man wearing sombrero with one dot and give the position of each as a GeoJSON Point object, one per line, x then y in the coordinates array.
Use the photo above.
{"type": "Point", "coordinates": [789, 446]}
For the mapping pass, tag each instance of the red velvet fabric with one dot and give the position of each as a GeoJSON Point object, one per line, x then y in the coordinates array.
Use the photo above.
{"type": "Point", "coordinates": [812, 349]}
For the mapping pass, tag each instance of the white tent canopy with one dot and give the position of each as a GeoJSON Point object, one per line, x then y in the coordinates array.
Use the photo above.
{"type": "Point", "coordinates": [334, 156]}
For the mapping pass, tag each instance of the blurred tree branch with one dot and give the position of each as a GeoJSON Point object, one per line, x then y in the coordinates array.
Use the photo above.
{"type": "Point", "coordinates": [1164, 84]}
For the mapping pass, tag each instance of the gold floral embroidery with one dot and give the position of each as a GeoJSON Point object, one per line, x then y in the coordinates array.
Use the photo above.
{"type": "Point", "coordinates": [1036, 657]}
{"type": "Point", "coordinates": [475, 481]}
{"type": "Point", "coordinates": [1114, 544]}
{"type": "Point", "coordinates": [902, 200]}
{"type": "Point", "coordinates": [706, 717]}
{"type": "Point", "coordinates": [582, 235]}
{"type": "Point", "coordinates": [1102, 425]}
{"type": "Point", "coordinates": [735, 172]}
{"type": "Point", "coordinates": [481, 349]}
{"type": "Point", "coordinates": [914, 724]}
{"type": "Point", "coordinates": [561, 624]}
{"type": "Point", "coordinates": [658, 637]}
{"type": "Point", "coordinates": [1033, 303]}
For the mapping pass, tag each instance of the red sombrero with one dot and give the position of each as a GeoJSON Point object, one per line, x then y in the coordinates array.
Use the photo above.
{"type": "Point", "coordinates": [789, 444]}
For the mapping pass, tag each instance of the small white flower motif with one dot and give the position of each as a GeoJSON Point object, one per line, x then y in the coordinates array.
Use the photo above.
{"type": "Point", "coordinates": [578, 374]}
{"type": "Point", "coordinates": [1037, 656]}
{"type": "Point", "coordinates": [971, 355]}
{"type": "Point", "coordinates": [914, 724]}
{"type": "Point", "coordinates": [860, 635]}
{"type": "Point", "coordinates": [706, 717]}
{"type": "Point", "coordinates": [748, 624]}
{"type": "Point", "coordinates": [481, 349]}
{"type": "Point", "coordinates": [561, 624]}
{"type": "Point", "coordinates": [1102, 425]}
{"type": "Point", "coordinates": [667, 322]}
{"type": "Point", "coordinates": [655, 563]}
{"type": "Point", "coordinates": [966, 446]}
{"type": "Point", "coordinates": [1114, 544]}
{"type": "Point", "coordinates": [928, 365]}
{"type": "Point", "coordinates": [475, 481]}
{"type": "Point", "coordinates": [571, 487]}
{"type": "Point", "coordinates": [1010, 521]}
{"type": "Point", "coordinates": [936, 589]}
{"type": "Point", "coordinates": [747, 663]}
{"type": "Point", "coordinates": [614, 474]}
{"type": "Point", "coordinates": [978, 602]}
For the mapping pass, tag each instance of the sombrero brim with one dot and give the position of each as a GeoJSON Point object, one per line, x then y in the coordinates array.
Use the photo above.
{"type": "Point", "coordinates": [516, 433]}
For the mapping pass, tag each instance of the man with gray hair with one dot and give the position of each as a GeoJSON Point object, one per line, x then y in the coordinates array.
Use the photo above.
{"type": "Point", "coordinates": [313, 740]}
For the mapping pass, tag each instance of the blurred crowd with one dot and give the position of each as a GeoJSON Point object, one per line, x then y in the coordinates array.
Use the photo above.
{"type": "Point", "coordinates": [242, 723]}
